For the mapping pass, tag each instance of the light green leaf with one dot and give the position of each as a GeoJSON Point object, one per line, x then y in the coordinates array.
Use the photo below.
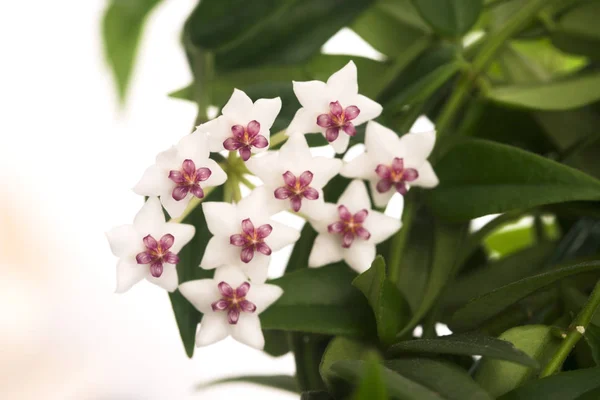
{"type": "Point", "coordinates": [283, 382]}
{"type": "Point", "coordinates": [122, 26]}
{"type": "Point", "coordinates": [478, 178]}
{"type": "Point", "coordinates": [320, 301]}
{"type": "Point", "coordinates": [465, 344]}
{"type": "Point", "coordinates": [563, 386]}
{"type": "Point", "coordinates": [340, 348]}
{"type": "Point", "coordinates": [486, 306]}
{"type": "Point", "coordinates": [450, 17]}
{"type": "Point", "coordinates": [499, 377]}
{"type": "Point", "coordinates": [592, 336]}
{"type": "Point", "coordinates": [448, 380]}
{"type": "Point", "coordinates": [371, 386]}
{"type": "Point", "coordinates": [573, 92]}
{"type": "Point", "coordinates": [389, 306]}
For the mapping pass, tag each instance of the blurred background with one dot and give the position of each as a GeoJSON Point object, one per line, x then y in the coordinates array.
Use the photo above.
{"type": "Point", "coordinates": [69, 157]}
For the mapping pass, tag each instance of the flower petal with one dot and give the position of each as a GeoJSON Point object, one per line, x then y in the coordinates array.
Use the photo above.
{"type": "Point", "coordinates": [361, 167]}
{"type": "Point", "coordinates": [263, 295]}
{"type": "Point", "coordinates": [427, 177]}
{"type": "Point", "coordinates": [220, 218]}
{"type": "Point", "coordinates": [380, 199]}
{"type": "Point", "coordinates": [263, 167]}
{"type": "Point", "coordinates": [340, 145]}
{"type": "Point", "coordinates": [310, 193]}
{"type": "Point", "coordinates": [335, 108]}
{"type": "Point", "coordinates": [197, 191]}
{"type": "Point", "coordinates": [213, 328]}
{"type": "Point", "coordinates": [264, 230]}
{"type": "Point", "coordinates": [355, 197]}
{"type": "Point", "coordinates": [218, 252]}
{"type": "Point", "coordinates": [344, 214]}
{"type": "Point", "coordinates": [248, 331]}
{"type": "Point", "coordinates": [237, 240]}
{"type": "Point", "coordinates": [343, 84]}
{"type": "Point", "coordinates": [349, 129]}
{"type": "Point", "coordinates": [124, 241]}
{"type": "Point", "coordinates": [380, 226]}
{"type": "Point", "coordinates": [143, 258]}
{"type": "Point", "coordinates": [217, 175]}
{"type": "Point", "coordinates": [245, 153]}
{"type": "Point", "coordinates": [248, 227]}
{"type": "Point", "coordinates": [257, 269]}
{"type": "Point", "coordinates": [324, 121]}
{"type": "Point", "coordinates": [128, 274]}
{"type": "Point", "coordinates": [150, 218]}
{"type": "Point", "coordinates": [230, 274]}
{"type": "Point", "coordinates": [410, 174]}
{"type": "Point", "coordinates": [171, 258]}
{"type": "Point", "coordinates": [233, 315]}
{"type": "Point", "coordinates": [247, 254]}
{"type": "Point", "coordinates": [218, 130]}
{"type": "Point", "coordinates": [282, 193]}
{"type": "Point", "coordinates": [351, 112]}
{"type": "Point", "coordinates": [154, 182]}
{"type": "Point", "coordinates": [238, 108]}
{"type": "Point", "coordinates": [247, 306]}
{"type": "Point", "coordinates": [331, 134]}
{"type": "Point", "coordinates": [289, 178]}
{"type": "Point", "coordinates": [360, 255]}
{"type": "Point", "coordinates": [363, 233]}
{"type": "Point", "coordinates": [193, 146]}
{"type": "Point", "coordinates": [180, 192]}
{"type": "Point", "coordinates": [183, 234]}
{"type": "Point", "coordinates": [281, 236]}
{"type": "Point", "coordinates": [305, 178]}
{"type": "Point", "coordinates": [304, 121]}
{"type": "Point", "coordinates": [312, 95]}
{"type": "Point", "coordinates": [253, 128]}
{"type": "Point", "coordinates": [382, 144]}
{"type": "Point", "coordinates": [260, 142]}
{"type": "Point", "coordinates": [327, 249]}
{"type": "Point", "coordinates": [361, 215]}
{"type": "Point", "coordinates": [242, 290]}
{"type": "Point", "coordinates": [201, 293]}
{"type": "Point", "coordinates": [384, 185]}
{"type": "Point", "coordinates": [225, 289]}
{"type": "Point", "coordinates": [232, 144]}
{"type": "Point", "coordinates": [174, 207]}
{"type": "Point", "coordinates": [263, 248]}
{"type": "Point", "coordinates": [168, 279]}
{"type": "Point", "coordinates": [324, 169]}
{"type": "Point", "coordinates": [296, 203]}
{"type": "Point", "coordinates": [418, 147]}
{"type": "Point", "coordinates": [369, 109]}
{"type": "Point", "coordinates": [265, 111]}
{"type": "Point", "coordinates": [315, 209]}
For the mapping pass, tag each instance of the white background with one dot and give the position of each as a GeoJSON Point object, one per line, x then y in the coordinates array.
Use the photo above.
{"type": "Point", "coordinates": [68, 159]}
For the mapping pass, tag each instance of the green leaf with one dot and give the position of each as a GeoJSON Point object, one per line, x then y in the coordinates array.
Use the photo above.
{"type": "Point", "coordinates": [565, 94]}
{"type": "Point", "coordinates": [397, 385]}
{"type": "Point", "coordinates": [465, 344]}
{"type": "Point", "coordinates": [499, 377]}
{"type": "Point", "coordinates": [188, 269]}
{"type": "Point", "coordinates": [486, 306]}
{"type": "Point", "coordinates": [563, 386]}
{"type": "Point", "coordinates": [446, 379]}
{"type": "Point", "coordinates": [276, 343]}
{"type": "Point", "coordinates": [320, 301]}
{"type": "Point", "coordinates": [185, 93]}
{"type": "Point", "coordinates": [450, 17]}
{"type": "Point", "coordinates": [496, 274]}
{"type": "Point", "coordinates": [269, 32]}
{"type": "Point", "coordinates": [479, 178]}
{"type": "Point", "coordinates": [593, 394]}
{"type": "Point", "coordinates": [592, 336]}
{"type": "Point", "coordinates": [283, 382]}
{"type": "Point", "coordinates": [340, 348]}
{"type": "Point", "coordinates": [447, 238]}
{"type": "Point", "coordinates": [316, 395]}
{"type": "Point", "coordinates": [389, 306]}
{"type": "Point", "coordinates": [122, 26]}
{"type": "Point", "coordinates": [371, 386]}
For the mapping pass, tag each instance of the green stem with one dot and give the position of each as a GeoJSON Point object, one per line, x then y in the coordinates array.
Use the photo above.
{"type": "Point", "coordinates": [247, 183]}
{"type": "Point", "coordinates": [486, 54]}
{"type": "Point", "coordinates": [192, 205]}
{"type": "Point", "coordinates": [400, 238]}
{"type": "Point", "coordinates": [278, 138]}
{"type": "Point", "coordinates": [575, 333]}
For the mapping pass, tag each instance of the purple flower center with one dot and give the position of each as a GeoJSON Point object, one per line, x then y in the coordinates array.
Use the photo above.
{"type": "Point", "coordinates": [350, 226]}
{"type": "Point", "coordinates": [395, 175]}
{"type": "Point", "coordinates": [244, 139]}
{"type": "Point", "coordinates": [252, 239]}
{"type": "Point", "coordinates": [338, 118]}
{"type": "Point", "coordinates": [296, 188]}
{"type": "Point", "coordinates": [188, 180]}
{"type": "Point", "coordinates": [157, 253]}
{"type": "Point", "coordinates": [233, 301]}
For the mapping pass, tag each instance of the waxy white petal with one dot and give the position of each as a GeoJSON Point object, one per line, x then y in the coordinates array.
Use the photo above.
{"type": "Point", "coordinates": [427, 177]}
{"type": "Point", "coordinates": [369, 109]}
{"type": "Point", "coordinates": [168, 280]}
{"type": "Point", "coordinates": [341, 143]}
{"type": "Point", "coordinates": [220, 217]}
{"type": "Point", "coordinates": [265, 111]}
{"type": "Point", "coordinates": [382, 144]}
{"type": "Point", "coordinates": [230, 274]}
{"type": "Point", "coordinates": [217, 176]}
{"type": "Point", "coordinates": [183, 234]}
{"type": "Point", "coordinates": [155, 181]}
{"type": "Point", "coordinates": [343, 84]}
{"type": "Point", "coordinates": [263, 295]}
{"type": "Point", "coordinates": [355, 197]}
{"type": "Point", "coordinates": [124, 241]}
{"type": "Point", "coordinates": [193, 146]}
{"type": "Point", "coordinates": [324, 169]}
{"type": "Point", "coordinates": [150, 218]}
{"type": "Point", "coordinates": [239, 107]}
{"type": "Point", "coordinates": [304, 121]}
{"type": "Point", "coordinates": [248, 331]}
{"type": "Point", "coordinates": [213, 328]}
{"type": "Point", "coordinates": [218, 252]}
{"type": "Point", "coordinates": [360, 255]}
{"type": "Point", "coordinates": [416, 148]}
{"type": "Point", "coordinates": [175, 207]}
{"type": "Point", "coordinates": [281, 236]}
{"type": "Point", "coordinates": [256, 270]}
{"type": "Point", "coordinates": [128, 274]}
{"type": "Point", "coordinates": [361, 167]}
{"type": "Point", "coordinates": [380, 199]}
{"type": "Point", "coordinates": [326, 249]}
{"type": "Point", "coordinates": [380, 226]}
{"type": "Point", "coordinates": [218, 130]}
{"type": "Point", "coordinates": [201, 293]}
{"type": "Point", "coordinates": [312, 95]}
{"type": "Point", "coordinates": [262, 167]}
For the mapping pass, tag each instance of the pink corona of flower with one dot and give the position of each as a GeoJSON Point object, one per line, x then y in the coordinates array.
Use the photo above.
{"type": "Point", "coordinates": [350, 226]}
{"type": "Point", "coordinates": [252, 239]}
{"type": "Point", "coordinates": [230, 306]}
{"type": "Point", "coordinates": [187, 180]}
{"type": "Point", "coordinates": [395, 175]}
{"type": "Point", "coordinates": [233, 301]}
{"type": "Point", "coordinates": [296, 188]}
{"type": "Point", "coordinates": [157, 253]}
{"type": "Point", "coordinates": [392, 161]}
{"type": "Point", "coordinates": [244, 126]}
{"type": "Point", "coordinates": [330, 107]}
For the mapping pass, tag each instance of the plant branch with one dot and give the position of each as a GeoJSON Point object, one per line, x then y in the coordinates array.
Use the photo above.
{"type": "Point", "coordinates": [194, 202]}
{"type": "Point", "coordinates": [575, 333]}
{"type": "Point", "coordinates": [400, 238]}
{"type": "Point", "coordinates": [278, 138]}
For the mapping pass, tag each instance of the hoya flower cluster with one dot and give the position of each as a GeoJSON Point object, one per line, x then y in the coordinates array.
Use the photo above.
{"type": "Point", "coordinates": [245, 235]}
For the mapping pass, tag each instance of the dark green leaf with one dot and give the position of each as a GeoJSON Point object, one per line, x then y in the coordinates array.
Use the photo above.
{"type": "Point", "coordinates": [320, 301]}
{"type": "Point", "coordinates": [397, 385]}
{"type": "Point", "coordinates": [371, 386]}
{"type": "Point", "coordinates": [499, 377]}
{"type": "Point", "coordinates": [283, 382]}
{"type": "Point", "coordinates": [448, 380]}
{"type": "Point", "coordinates": [479, 178]}
{"type": "Point", "coordinates": [340, 348]}
{"type": "Point", "coordinates": [566, 94]}
{"type": "Point", "coordinates": [269, 32]}
{"type": "Point", "coordinates": [563, 386]}
{"type": "Point", "coordinates": [389, 306]}
{"type": "Point", "coordinates": [593, 394]}
{"type": "Point", "coordinates": [122, 28]}
{"type": "Point", "coordinates": [185, 93]}
{"type": "Point", "coordinates": [483, 307]}
{"type": "Point", "coordinates": [592, 336]}
{"type": "Point", "coordinates": [316, 395]}
{"type": "Point", "coordinates": [276, 342]}
{"type": "Point", "coordinates": [188, 269]}
{"type": "Point", "coordinates": [450, 17]}
{"type": "Point", "coordinates": [465, 344]}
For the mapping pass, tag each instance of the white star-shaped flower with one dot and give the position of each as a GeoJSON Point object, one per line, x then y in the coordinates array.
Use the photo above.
{"type": "Point", "coordinates": [351, 230]}
{"type": "Point", "coordinates": [244, 235]}
{"type": "Point", "coordinates": [392, 164]}
{"type": "Point", "coordinates": [231, 306]}
{"type": "Point", "coordinates": [148, 248]}
{"type": "Point", "coordinates": [181, 173]}
{"type": "Point", "coordinates": [243, 126]}
{"type": "Point", "coordinates": [334, 108]}
{"type": "Point", "coordinates": [293, 178]}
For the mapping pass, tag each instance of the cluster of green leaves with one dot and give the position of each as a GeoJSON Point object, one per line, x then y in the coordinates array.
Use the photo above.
{"type": "Point", "coordinates": [514, 89]}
